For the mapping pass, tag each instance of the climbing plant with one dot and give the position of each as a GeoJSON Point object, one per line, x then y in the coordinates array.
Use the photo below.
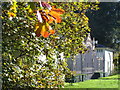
{"type": "Point", "coordinates": [38, 37]}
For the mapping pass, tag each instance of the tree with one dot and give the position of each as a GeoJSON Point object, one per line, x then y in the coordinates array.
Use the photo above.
{"type": "Point", "coordinates": [104, 24]}
{"type": "Point", "coordinates": [30, 61]}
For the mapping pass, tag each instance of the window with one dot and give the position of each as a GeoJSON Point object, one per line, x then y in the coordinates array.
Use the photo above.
{"type": "Point", "coordinates": [99, 50]}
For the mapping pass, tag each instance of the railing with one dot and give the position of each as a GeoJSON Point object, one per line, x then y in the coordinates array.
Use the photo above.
{"type": "Point", "coordinates": [76, 78]}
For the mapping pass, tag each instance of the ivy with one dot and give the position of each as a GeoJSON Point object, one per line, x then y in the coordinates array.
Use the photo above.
{"type": "Point", "coordinates": [40, 62]}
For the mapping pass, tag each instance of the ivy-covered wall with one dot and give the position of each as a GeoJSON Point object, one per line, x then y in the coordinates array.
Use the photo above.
{"type": "Point", "coordinates": [33, 38]}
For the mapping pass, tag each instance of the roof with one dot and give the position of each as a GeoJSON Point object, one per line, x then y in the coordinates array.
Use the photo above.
{"type": "Point", "coordinates": [88, 42]}
{"type": "Point", "coordinates": [100, 46]}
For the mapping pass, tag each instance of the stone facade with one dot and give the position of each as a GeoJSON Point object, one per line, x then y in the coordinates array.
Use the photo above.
{"type": "Point", "coordinates": [96, 59]}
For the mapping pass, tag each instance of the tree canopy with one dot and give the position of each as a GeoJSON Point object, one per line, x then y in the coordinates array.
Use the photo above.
{"type": "Point", "coordinates": [105, 24]}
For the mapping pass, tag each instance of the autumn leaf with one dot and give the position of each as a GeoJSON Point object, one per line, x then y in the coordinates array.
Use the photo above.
{"type": "Point", "coordinates": [38, 28]}
{"type": "Point", "coordinates": [39, 16]}
{"type": "Point", "coordinates": [45, 17]}
{"type": "Point", "coordinates": [58, 10]}
{"type": "Point", "coordinates": [46, 5]}
{"type": "Point", "coordinates": [51, 19]}
{"type": "Point", "coordinates": [46, 34]}
{"type": "Point", "coordinates": [43, 29]}
{"type": "Point", "coordinates": [55, 14]}
{"type": "Point", "coordinates": [52, 31]}
{"type": "Point", "coordinates": [11, 14]}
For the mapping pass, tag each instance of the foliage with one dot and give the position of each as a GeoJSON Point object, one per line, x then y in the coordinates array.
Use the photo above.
{"type": "Point", "coordinates": [46, 17]}
{"type": "Point", "coordinates": [30, 61]}
{"type": "Point", "coordinates": [105, 24]}
{"type": "Point", "coordinates": [116, 61]}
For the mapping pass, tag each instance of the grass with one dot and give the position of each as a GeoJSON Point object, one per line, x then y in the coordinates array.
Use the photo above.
{"type": "Point", "coordinates": [111, 77]}
{"type": "Point", "coordinates": [104, 82]}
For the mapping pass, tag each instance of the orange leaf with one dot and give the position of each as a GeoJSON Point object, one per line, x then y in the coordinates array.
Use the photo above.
{"type": "Point", "coordinates": [51, 19]}
{"type": "Point", "coordinates": [43, 30]}
{"type": "Point", "coordinates": [45, 18]}
{"type": "Point", "coordinates": [52, 31]}
{"type": "Point", "coordinates": [59, 10]}
{"type": "Point", "coordinates": [56, 16]}
{"type": "Point", "coordinates": [46, 34]}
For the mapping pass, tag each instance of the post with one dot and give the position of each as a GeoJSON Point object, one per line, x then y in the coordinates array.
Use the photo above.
{"type": "Point", "coordinates": [119, 64]}
{"type": "Point", "coordinates": [82, 59]}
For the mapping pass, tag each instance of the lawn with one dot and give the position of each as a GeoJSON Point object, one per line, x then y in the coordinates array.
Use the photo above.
{"type": "Point", "coordinates": [111, 77]}
{"type": "Point", "coordinates": [104, 82]}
